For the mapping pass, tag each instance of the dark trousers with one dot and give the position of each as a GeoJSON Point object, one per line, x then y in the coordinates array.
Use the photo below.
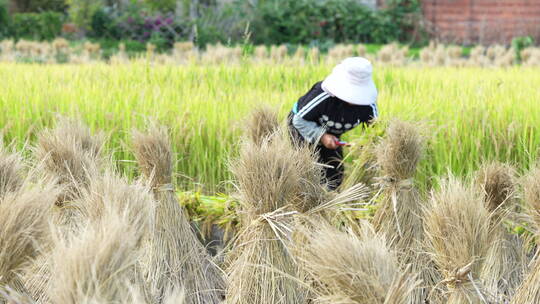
{"type": "Point", "coordinates": [331, 159]}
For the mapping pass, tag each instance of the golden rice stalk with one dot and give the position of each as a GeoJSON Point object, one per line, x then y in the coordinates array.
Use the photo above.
{"type": "Point", "coordinates": [362, 161]}
{"type": "Point", "coordinates": [261, 123]}
{"type": "Point", "coordinates": [270, 187]}
{"type": "Point", "coordinates": [339, 52]}
{"type": "Point", "coordinates": [529, 291]}
{"type": "Point", "coordinates": [278, 53]}
{"type": "Point", "coordinates": [70, 155]}
{"type": "Point", "coordinates": [177, 258]}
{"type": "Point", "coordinates": [361, 50]}
{"type": "Point", "coordinates": [352, 268]}
{"type": "Point", "coordinates": [23, 226]}
{"type": "Point", "coordinates": [299, 55]}
{"type": "Point", "coordinates": [457, 229]}
{"type": "Point", "coordinates": [503, 267]}
{"type": "Point", "coordinates": [260, 52]}
{"type": "Point", "coordinates": [96, 264]}
{"type": "Point", "coordinates": [313, 55]}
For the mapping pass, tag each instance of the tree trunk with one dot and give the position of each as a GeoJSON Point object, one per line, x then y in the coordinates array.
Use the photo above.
{"type": "Point", "coordinates": [123, 4]}
{"type": "Point", "coordinates": [179, 9]}
{"type": "Point", "coordinates": [193, 15]}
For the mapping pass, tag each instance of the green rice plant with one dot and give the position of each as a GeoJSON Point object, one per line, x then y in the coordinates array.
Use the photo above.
{"type": "Point", "coordinates": [476, 114]}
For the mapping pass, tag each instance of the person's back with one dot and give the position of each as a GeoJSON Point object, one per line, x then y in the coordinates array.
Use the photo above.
{"type": "Point", "coordinates": [345, 99]}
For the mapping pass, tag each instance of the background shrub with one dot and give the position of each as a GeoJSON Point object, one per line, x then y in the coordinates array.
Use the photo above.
{"type": "Point", "coordinates": [320, 23]}
{"type": "Point", "coordinates": [38, 26]}
{"type": "Point", "coordinates": [81, 12]}
{"type": "Point", "coordinates": [305, 21]}
{"type": "Point", "coordinates": [4, 20]}
{"type": "Point", "coordinates": [36, 6]}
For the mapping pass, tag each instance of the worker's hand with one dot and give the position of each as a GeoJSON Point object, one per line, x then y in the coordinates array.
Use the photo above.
{"type": "Point", "coordinates": [329, 141]}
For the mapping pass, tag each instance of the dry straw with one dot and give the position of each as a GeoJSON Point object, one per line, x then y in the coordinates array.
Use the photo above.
{"type": "Point", "coordinates": [278, 187]}
{"type": "Point", "coordinates": [399, 214]}
{"type": "Point", "coordinates": [503, 267]}
{"type": "Point", "coordinates": [70, 157]}
{"type": "Point", "coordinates": [529, 291]}
{"type": "Point", "coordinates": [96, 264]}
{"type": "Point", "coordinates": [11, 172]}
{"type": "Point", "coordinates": [23, 228]}
{"type": "Point", "coordinates": [269, 184]}
{"type": "Point", "coordinates": [262, 123]}
{"type": "Point", "coordinates": [176, 258]}
{"type": "Point", "coordinates": [354, 268]}
{"type": "Point", "coordinates": [458, 236]}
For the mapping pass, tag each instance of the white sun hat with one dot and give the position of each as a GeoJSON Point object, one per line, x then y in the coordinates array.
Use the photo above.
{"type": "Point", "coordinates": [351, 81]}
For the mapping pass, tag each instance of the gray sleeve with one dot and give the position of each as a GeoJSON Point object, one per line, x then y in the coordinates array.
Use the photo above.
{"type": "Point", "coordinates": [310, 130]}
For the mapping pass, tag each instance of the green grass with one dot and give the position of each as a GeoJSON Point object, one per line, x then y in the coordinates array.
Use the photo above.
{"type": "Point", "coordinates": [472, 114]}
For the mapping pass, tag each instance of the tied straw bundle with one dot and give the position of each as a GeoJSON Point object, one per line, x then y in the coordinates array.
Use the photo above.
{"type": "Point", "coordinates": [278, 187]}
{"type": "Point", "coordinates": [69, 157]}
{"type": "Point", "coordinates": [97, 263]}
{"type": "Point", "coordinates": [529, 290]}
{"type": "Point", "coordinates": [399, 215]}
{"type": "Point", "coordinates": [457, 226]}
{"type": "Point", "coordinates": [259, 266]}
{"type": "Point", "coordinates": [23, 225]}
{"type": "Point", "coordinates": [262, 123]}
{"type": "Point", "coordinates": [503, 267]}
{"type": "Point", "coordinates": [176, 258]}
{"type": "Point", "coordinates": [354, 268]}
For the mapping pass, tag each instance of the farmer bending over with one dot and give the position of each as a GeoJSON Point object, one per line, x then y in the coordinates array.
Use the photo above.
{"type": "Point", "coordinates": [345, 99]}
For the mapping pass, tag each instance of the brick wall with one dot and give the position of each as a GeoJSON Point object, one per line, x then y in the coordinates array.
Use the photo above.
{"type": "Point", "coordinates": [482, 21]}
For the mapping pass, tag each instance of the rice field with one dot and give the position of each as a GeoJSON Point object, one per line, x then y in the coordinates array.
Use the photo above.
{"type": "Point", "coordinates": [472, 114]}
{"type": "Point", "coordinates": [441, 203]}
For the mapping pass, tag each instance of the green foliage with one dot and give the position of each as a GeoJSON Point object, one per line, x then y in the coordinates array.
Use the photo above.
{"type": "Point", "coordinates": [225, 24]}
{"type": "Point", "coordinates": [203, 105]}
{"type": "Point", "coordinates": [305, 21]}
{"type": "Point", "coordinates": [103, 25]}
{"type": "Point", "coordinates": [36, 6]}
{"type": "Point", "coordinates": [161, 5]}
{"type": "Point", "coordinates": [82, 11]}
{"type": "Point", "coordinates": [4, 19]}
{"type": "Point", "coordinates": [520, 43]}
{"type": "Point", "coordinates": [38, 26]}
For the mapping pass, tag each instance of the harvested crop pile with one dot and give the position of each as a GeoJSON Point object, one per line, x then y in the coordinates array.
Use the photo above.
{"type": "Point", "coordinates": [269, 182]}
{"type": "Point", "coordinates": [355, 269]}
{"type": "Point", "coordinates": [399, 215]}
{"type": "Point", "coordinates": [176, 257]}
{"type": "Point", "coordinates": [261, 123]}
{"type": "Point", "coordinates": [457, 226]}
{"type": "Point", "coordinates": [503, 267]}
{"type": "Point", "coordinates": [529, 290]}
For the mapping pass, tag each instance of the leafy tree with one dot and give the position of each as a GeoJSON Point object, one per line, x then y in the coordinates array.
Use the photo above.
{"type": "Point", "coordinates": [81, 12]}
{"type": "Point", "coordinates": [41, 5]}
{"type": "Point", "coordinates": [4, 19]}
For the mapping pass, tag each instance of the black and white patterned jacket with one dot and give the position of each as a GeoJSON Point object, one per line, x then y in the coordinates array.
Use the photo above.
{"type": "Point", "coordinates": [318, 112]}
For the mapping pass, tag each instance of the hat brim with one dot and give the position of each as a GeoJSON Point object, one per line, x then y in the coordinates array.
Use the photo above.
{"type": "Point", "coordinates": [339, 85]}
